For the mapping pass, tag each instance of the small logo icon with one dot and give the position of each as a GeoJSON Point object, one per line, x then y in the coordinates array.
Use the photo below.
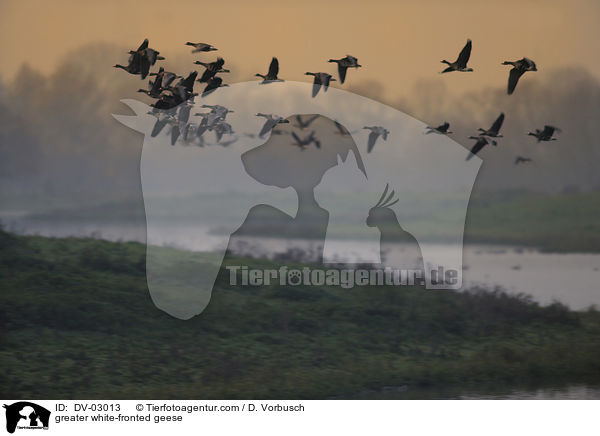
{"type": "Point", "coordinates": [26, 415]}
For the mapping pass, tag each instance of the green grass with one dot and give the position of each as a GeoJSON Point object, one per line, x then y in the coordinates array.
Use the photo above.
{"type": "Point", "coordinates": [76, 321]}
{"type": "Point", "coordinates": [563, 223]}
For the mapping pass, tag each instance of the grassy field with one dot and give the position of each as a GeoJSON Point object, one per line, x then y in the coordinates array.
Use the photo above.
{"type": "Point", "coordinates": [76, 321]}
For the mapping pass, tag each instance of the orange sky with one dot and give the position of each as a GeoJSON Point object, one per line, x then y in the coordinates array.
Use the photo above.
{"type": "Point", "coordinates": [397, 42]}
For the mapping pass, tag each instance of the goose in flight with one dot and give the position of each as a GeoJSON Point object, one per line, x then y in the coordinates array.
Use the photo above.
{"type": "Point", "coordinates": [376, 132]}
{"type": "Point", "coordinates": [212, 68]}
{"type": "Point", "coordinates": [161, 83]}
{"type": "Point", "coordinates": [139, 62]}
{"type": "Point", "coordinates": [482, 141]}
{"type": "Point", "coordinates": [271, 75]}
{"type": "Point", "coordinates": [200, 46]}
{"type": "Point", "coordinates": [222, 128]}
{"type": "Point", "coordinates": [303, 124]}
{"type": "Point", "coordinates": [155, 88]}
{"type": "Point", "coordinates": [184, 89]}
{"type": "Point", "coordinates": [272, 121]}
{"type": "Point", "coordinates": [519, 68]}
{"type": "Point", "coordinates": [166, 77]}
{"type": "Point", "coordinates": [213, 83]}
{"type": "Point", "coordinates": [133, 65]}
{"type": "Point", "coordinates": [321, 79]}
{"type": "Point", "coordinates": [217, 113]}
{"type": "Point", "coordinates": [145, 57]}
{"type": "Point", "coordinates": [304, 142]}
{"type": "Point", "coordinates": [343, 65]}
{"type": "Point", "coordinates": [162, 119]}
{"type": "Point", "coordinates": [545, 135]}
{"type": "Point", "coordinates": [521, 159]}
{"type": "Point", "coordinates": [493, 132]}
{"type": "Point", "coordinates": [461, 62]}
{"type": "Point", "coordinates": [441, 129]}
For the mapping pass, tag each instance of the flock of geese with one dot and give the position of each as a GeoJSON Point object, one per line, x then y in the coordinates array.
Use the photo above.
{"type": "Point", "coordinates": [489, 136]}
{"type": "Point", "coordinates": [171, 95]}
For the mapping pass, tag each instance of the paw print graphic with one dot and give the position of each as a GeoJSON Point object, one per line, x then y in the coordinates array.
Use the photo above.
{"type": "Point", "coordinates": [294, 277]}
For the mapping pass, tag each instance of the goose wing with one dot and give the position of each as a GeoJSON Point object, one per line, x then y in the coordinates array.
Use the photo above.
{"type": "Point", "coordinates": [145, 65]}
{"type": "Point", "coordinates": [372, 139]}
{"type": "Point", "coordinates": [143, 45]}
{"type": "Point", "coordinates": [168, 79]}
{"type": "Point", "coordinates": [342, 72]}
{"type": "Point", "coordinates": [497, 124]}
{"type": "Point", "coordinates": [212, 84]}
{"type": "Point", "coordinates": [513, 78]}
{"type": "Point", "coordinates": [269, 124]}
{"type": "Point", "coordinates": [310, 120]}
{"type": "Point", "coordinates": [207, 75]}
{"type": "Point", "coordinates": [273, 68]}
{"type": "Point", "coordinates": [316, 85]}
{"type": "Point", "coordinates": [477, 147]}
{"type": "Point", "coordinates": [175, 132]}
{"type": "Point", "coordinates": [549, 131]}
{"type": "Point", "coordinates": [158, 126]}
{"type": "Point", "coordinates": [464, 55]}
{"type": "Point", "coordinates": [296, 138]}
{"type": "Point", "coordinates": [188, 82]}
{"type": "Point", "coordinates": [325, 80]}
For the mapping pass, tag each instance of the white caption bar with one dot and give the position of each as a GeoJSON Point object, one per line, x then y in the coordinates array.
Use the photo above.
{"type": "Point", "coordinates": [261, 417]}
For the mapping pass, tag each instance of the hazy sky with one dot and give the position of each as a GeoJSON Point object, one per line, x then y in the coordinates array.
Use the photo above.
{"type": "Point", "coordinates": [397, 42]}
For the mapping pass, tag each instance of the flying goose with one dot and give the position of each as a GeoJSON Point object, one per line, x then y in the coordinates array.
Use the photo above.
{"type": "Point", "coordinates": [303, 124]}
{"type": "Point", "coordinates": [212, 84]}
{"type": "Point", "coordinates": [461, 62]}
{"type": "Point", "coordinates": [162, 119]}
{"type": "Point", "coordinates": [306, 141]}
{"type": "Point", "coordinates": [320, 79]}
{"type": "Point", "coordinates": [493, 131]}
{"type": "Point", "coordinates": [376, 132]}
{"type": "Point", "coordinates": [217, 113]}
{"type": "Point", "coordinates": [154, 90]}
{"type": "Point", "coordinates": [222, 128]}
{"type": "Point", "coordinates": [546, 134]}
{"type": "Point", "coordinates": [212, 68]}
{"type": "Point", "coordinates": [132, 66]}
{"type": "Point", "coordinates": [145, 57]}
{"type": "Point", "coordinates": [482, 141]}
{"type": "Point", "coordinates": [519, 68]}
{"type": "Point", "coordinates": [441, 129]}
{"type": "Point", "coordinates": [184, 89]}
{"type": "Point", "coordinates": [343, 65]}
{"type": "Point", "coordinates": [272, 121]}
{"type": "Point", "coordinates": [271, 75]}
{"type": "Point", "coordinates": [166, 77]}
{"type": "Point", "coordinates": [521, 159]}
{"type": "Point", "coordinates": [200, 46]}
